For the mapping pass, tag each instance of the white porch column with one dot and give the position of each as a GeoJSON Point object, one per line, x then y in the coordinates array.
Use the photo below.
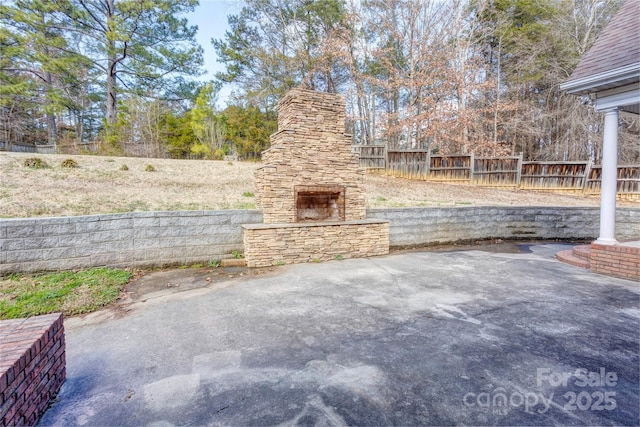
{"type": "Point", "coordinates": [609, 178]}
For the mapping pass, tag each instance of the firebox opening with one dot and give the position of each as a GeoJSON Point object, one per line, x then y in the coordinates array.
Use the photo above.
{"type": "Point", "coordinates": [319, 203]}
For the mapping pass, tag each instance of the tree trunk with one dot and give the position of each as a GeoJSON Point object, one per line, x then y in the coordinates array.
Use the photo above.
{"type": "Point", "coordinates": [112, 103]}
{"type": "Point", "coordinates": [497, 106]}
{"type": "Point", "coordinates": [52, 129]}
{"type": "Point", "coordinates": [112, 65]}
{"type": "Point", "coordinates": [52, 133]}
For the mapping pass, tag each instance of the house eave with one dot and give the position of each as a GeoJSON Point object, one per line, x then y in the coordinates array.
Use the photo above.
{"type": "Point", "coordinates": [622, 76]}
{"type": "Point", "coordinates": [626, 98]}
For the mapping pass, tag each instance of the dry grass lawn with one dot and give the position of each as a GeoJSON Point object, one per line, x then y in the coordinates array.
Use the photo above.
{"type": "Point", "coordinates": [99, 185]}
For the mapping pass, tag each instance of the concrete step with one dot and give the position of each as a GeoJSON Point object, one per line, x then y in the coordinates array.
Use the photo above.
{"type": "Point", "coordinates": [568, 257]}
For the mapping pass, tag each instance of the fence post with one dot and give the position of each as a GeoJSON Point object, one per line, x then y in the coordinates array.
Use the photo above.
{"type": "Point", "coordinates": [587, 173]}
{"type": "Point", "coordinates": [386, 157]}
{"type": "Point", "coordinates": [472, 168]}
{"type": "Point", "coordinates": [519, 174]}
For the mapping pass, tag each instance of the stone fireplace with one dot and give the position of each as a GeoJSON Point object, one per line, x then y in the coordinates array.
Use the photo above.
{"type": "Point", "coordinates": [310, 189]}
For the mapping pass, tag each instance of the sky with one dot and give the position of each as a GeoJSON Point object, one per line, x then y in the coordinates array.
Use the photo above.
{"type": "Point", "coordinates": [211, 18]}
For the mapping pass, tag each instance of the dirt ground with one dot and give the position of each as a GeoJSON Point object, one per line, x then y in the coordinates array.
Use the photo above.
{"type": "Point", "coordinates": [101, 185]}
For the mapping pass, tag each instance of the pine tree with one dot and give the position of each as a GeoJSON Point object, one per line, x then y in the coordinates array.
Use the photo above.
{"type": "Point", "coordinates": [143, 45]}
{"type": "Point", "coordinates": [273, 46]}
{"type": "Point", "coordinates": [37, 63]}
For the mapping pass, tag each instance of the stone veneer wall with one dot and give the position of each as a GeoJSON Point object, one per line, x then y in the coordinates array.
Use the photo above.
{"type": "Point", "coordinates": [32, 367]}
{"type": "Point", "coordinates": [275, 244]}
{"type": "Point", "coordinates": [615, 260]}
{"type": "Point", "coordinates": [310, 148]}
{"type": "Point", "coordinates": [164, 238]}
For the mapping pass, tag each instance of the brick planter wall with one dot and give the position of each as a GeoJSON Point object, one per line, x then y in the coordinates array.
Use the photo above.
{"type": "Point", "coordinates": [616, 260]}
{"type": "Point", "coordinates": [273, 244]}
{"type": "Point", "coordinates": [32, 367]}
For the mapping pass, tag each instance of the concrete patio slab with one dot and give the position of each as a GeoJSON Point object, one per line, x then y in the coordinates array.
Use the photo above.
{"type": "Point", "coordinates": [466, 337]}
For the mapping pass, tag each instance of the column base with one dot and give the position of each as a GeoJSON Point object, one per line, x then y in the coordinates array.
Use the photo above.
{"type": "Point", "coordinates": [605, 241]}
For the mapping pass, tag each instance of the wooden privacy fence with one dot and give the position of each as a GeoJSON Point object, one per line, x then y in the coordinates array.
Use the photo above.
{"type": "Point", "coordinates": [82, 147]}
{"type": "Point", "coordinates": [628, 180]}
{"type": "Point", "coordinates": [408, 164]}
{"type": "Point", "coordinates": [450, 168]}
{"type": "Point", "coordinates": [372, 156]}
{"type": "Point", "coordinates": [420, 164]}
{"type": "Point", "coordinates": [554, 175]}
{"type": "Point", "coordinates": [496, 171]}
{"type": "Point", "coordinates": [17, 148]}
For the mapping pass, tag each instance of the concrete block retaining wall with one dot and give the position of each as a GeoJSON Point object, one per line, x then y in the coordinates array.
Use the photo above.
{"type": "Point", "coordinates": [424, 226]}
{"type": "Point", "coordinates": [163, 238]}
{"type": "Point", "coordinates": [32, 367]}
{"type": "Point", "coordinates": [129, 239]}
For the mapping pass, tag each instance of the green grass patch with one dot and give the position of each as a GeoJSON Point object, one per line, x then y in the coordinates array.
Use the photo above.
{"type": "Point", "coordinates": [24, 295]}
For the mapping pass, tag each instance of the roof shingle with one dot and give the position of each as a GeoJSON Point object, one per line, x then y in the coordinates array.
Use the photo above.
{"type": "Point", "coordinates": [618, 46]}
